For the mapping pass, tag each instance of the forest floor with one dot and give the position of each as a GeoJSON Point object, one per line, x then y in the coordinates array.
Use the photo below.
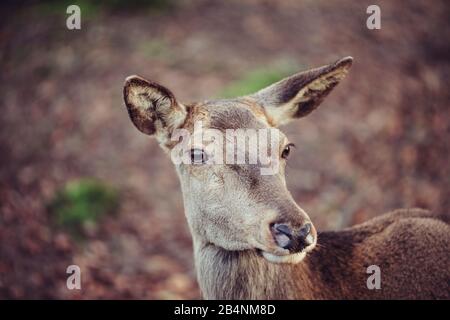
{"type": "Point", "coordinates": [380, 141]}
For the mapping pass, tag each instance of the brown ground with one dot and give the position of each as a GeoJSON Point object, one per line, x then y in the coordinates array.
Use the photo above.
{"type": "Point", "coordinates": [379, 142]}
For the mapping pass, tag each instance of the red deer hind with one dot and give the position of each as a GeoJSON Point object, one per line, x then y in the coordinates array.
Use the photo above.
{"type": "Point", "coordinates": [251, 240]}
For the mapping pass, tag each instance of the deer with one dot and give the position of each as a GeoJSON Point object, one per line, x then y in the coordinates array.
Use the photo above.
{"type": "Point", "coordinates": [251, 240]}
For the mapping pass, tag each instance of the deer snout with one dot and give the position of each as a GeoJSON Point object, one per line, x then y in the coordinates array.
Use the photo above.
{"type": "Point", "coordinates": [294, 239]}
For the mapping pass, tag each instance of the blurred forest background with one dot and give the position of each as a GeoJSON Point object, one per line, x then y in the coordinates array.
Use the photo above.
{"type": "Point", "coordinates": [80, 185]}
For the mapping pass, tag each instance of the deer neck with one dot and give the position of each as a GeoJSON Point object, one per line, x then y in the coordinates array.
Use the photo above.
{"type": "Point", "coordinates": [246, 274]}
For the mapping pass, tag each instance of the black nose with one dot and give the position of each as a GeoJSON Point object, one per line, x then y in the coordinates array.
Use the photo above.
{"type": "Point", "coordinates": [283, 235]}
{"type": "Point", "coordinates": [293, 240]}
{"type": "Point", "coordinates": [304, 231]}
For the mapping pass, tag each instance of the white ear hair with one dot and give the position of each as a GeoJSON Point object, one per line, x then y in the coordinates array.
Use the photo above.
{"type": "Point", "coordinates": [298, 95]}
{"type": "Point", "coordinates": [152, 107]}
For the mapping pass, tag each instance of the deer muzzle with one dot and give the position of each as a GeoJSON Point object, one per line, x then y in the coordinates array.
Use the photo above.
{"type": "Point", "coordinates": [293, 239]}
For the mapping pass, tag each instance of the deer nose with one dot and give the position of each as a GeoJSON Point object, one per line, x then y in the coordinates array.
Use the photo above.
{"type": "Point", "coordinates": [293, 240]}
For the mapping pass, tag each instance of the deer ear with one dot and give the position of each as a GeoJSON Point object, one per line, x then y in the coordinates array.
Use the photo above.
{"type": "Point", "coordinates": [152, 107]}
{"type": "Point", "coordinates": [298, 95]}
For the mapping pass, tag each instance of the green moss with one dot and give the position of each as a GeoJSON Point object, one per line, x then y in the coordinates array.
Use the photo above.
{"type": "Point", "coordinates": [156, 48]}
{"type": "Point", "coordinates": [258, 79]}
{"type": "Point", "coordinates": [82, 202]}
{"type": "Point", "coordinates": [89, 9]}
{"type": "Point", "coordinates": [153, 5]}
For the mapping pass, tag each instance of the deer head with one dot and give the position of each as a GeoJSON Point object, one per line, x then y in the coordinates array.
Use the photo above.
{"type": "Point", "coordinates": [233, 205]}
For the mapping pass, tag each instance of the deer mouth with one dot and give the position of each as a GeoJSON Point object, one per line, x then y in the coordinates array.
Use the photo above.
{"type": "Point", "coordinates": [289, 245]}
{"type": "Point", "coordinates": [285, 256]}
{"type": "Point", "coordinates": [292, 258]}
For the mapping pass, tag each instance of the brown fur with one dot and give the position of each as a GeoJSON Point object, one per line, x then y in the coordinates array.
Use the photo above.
{"type": "Point", "coordinates": [230, 209]}
{"type": "Point", "coordinates": [409, 246]}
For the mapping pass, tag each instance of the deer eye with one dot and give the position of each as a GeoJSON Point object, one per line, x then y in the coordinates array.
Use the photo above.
{"type": "Point", "coordinates": [287, 150]}
{"type": "Point", "coordinates": [198, 156]}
